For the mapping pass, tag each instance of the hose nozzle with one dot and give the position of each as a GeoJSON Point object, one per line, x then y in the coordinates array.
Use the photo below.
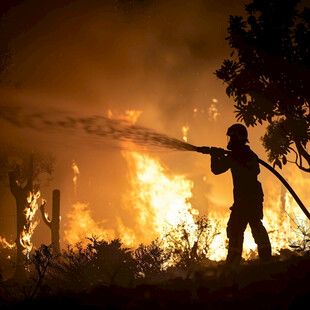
{"type": "Point", "coordinates": [204, 149]}
{"type": "Point", "coordinates": [211, 150]}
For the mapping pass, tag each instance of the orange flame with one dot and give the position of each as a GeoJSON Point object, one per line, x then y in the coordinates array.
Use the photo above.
{"type": "Point", "coordinates": [130, 115]}
{"type": "Point", "coordinates": [81, 225]}
{"type": "Point", "coordinates": [76, 172]}
{"type": "Point", "coordinates": [29, 211]}
{"type": "Point", "coordinates": [6, 244]}
{"type": "Point", "coordinates": [157, 197]}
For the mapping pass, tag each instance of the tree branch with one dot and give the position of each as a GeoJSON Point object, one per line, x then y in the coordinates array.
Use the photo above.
{"type": "Point", "coordinates": [302, 154]}
{"type": "Point", "coordinates": [296, 159]}
{"type": "Point", "coordinates": [46, 220]}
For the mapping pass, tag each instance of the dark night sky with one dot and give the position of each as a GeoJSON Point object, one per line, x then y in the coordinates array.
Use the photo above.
{"type": "Point", "coordinates": [85, 57]}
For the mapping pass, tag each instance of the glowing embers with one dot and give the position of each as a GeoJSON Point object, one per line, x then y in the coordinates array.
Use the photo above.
{"type": "Point", "coordinates": [185, 130]}
{"type": "Point", "coordinates": [6, 244]}
{"type": "Point", "coordinates": [30, 210]}
{"type": "Point", "coordinates": [213, 112]}
{"type": "Point", "coordinates": [130, 116]}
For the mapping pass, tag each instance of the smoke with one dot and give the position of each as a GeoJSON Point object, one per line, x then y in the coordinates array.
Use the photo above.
{"type": "Point", "coordinates": [73, 61]}
{"type": "Point", "coordinates": [90, 50]}
{"type": "Point", "coordinates": [155, 56]}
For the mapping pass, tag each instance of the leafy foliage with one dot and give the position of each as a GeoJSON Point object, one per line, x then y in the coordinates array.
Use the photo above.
{"type": "Point", "coordinates": [268, 74]}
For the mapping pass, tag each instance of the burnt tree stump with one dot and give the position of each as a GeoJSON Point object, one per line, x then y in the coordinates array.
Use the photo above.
{"type": "Point", "coordinates": [53, 223]}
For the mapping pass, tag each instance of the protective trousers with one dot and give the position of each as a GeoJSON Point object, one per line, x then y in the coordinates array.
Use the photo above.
{"type": "Point", "coordinates": [235, 232]}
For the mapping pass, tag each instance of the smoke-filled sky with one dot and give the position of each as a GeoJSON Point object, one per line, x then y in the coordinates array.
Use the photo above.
{"type": "Point", "coordinates": [84, 58]}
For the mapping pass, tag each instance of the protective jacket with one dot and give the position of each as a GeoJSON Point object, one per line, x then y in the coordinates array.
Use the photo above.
{"type": "Point", "coordinates": [244, 166]}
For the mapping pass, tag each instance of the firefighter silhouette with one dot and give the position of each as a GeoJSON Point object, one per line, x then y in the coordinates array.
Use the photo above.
{"type": "Point", "coordinates": [248, 194]}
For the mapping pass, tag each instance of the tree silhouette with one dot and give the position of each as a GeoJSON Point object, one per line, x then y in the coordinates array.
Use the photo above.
{"type": "Point", "coordinates": [267, 75]}
{"type": "Point", "coordinates": [38, 264]}
{"type": "Point", "coordinates": [54, 222]}
{"type": "Point", "coordinates": [21, 182]}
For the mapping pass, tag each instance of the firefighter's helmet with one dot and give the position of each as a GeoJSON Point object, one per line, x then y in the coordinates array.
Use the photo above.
{"type": "Point", "coordinates": [239, 131]}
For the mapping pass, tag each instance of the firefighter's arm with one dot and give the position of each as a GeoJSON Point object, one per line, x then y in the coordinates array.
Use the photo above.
{"type": "Point", "coordinates": [253, 164]}
{"type": "Point", "coordinates": [220, 162]}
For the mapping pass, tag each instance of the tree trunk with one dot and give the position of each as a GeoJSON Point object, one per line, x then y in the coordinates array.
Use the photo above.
{"type": "Point", "coordinates": [20, 193]}
{"type": "Point", "coordinates": [56, 219]}
{"type": "Point", "coordinates": [21, 202]}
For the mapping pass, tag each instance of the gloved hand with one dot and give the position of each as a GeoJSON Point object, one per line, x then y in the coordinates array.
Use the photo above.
{"type": "Point", "coordinates": [217, 151]}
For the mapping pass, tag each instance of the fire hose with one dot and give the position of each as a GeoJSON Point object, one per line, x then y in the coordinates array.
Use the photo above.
{"type": "Point", "coordinates": [209, 150]}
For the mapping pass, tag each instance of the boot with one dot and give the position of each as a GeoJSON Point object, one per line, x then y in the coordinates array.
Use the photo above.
{"type": "Point", "coordinates": [233, 257]}
{"type": "Point", "coordinates": [264, 253]}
